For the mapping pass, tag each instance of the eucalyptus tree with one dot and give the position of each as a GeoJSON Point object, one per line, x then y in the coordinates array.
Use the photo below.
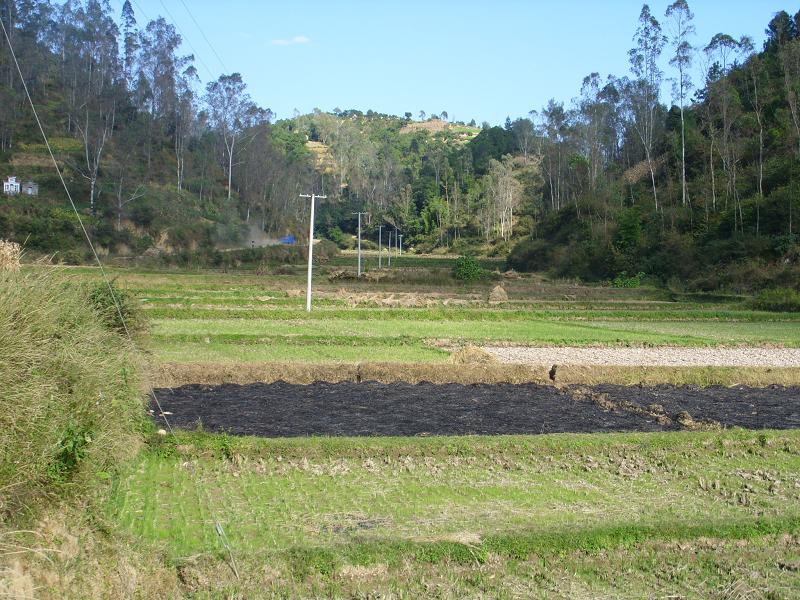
{"type": "Point", "coordinates": [595, 129]}
{"type": "Point", "coordinates": [130, 42]}
{"type": "Point", "coordinates": [755, 88]}
{"type": "Point", "coordinates": [525, 136]}
{"type": "Point", "coordinates": [790, 62]}
{"type": "Point", "coordinates": [682, 30]}
{"type": "Point", "coordinates": [184, 119]}
{"type": "Point", "coordinates": [159, 70]}
{"type": "Point", "coordinates": [503, 193]}
{"type": "Point", "coordinates": [230, 109]}
{"type": "Point", "coordinates": [555, 125]}
{"type": "Point", "coordinates": [724, 101]}
{"type": "Point", "coordinates": [643, 91]}
{"type": "Point", "coordinates": [95, 85]}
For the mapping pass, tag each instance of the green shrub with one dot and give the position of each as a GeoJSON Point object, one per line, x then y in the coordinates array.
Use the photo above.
{"type": "Point", "coordinates": [118, 309]}
{"type": "Point", "coordinates": [624, 281]}
{"type": "Point", "coordinates": [72, 407]}
{"type": "Point", "coordinates": [777, 300]}
{"type": "Point", "coordinates": [467, 269]}
{"type": "Point", "coordinates": [342, 240]}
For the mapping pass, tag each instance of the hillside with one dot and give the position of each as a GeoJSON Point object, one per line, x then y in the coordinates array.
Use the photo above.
{"type": "Point", "coordinates": [707, 200]}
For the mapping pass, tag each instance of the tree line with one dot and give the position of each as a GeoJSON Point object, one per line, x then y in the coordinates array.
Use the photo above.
{"type": "Point", "coordinates": [698, 188]}
{"type": "Point", "coordinates": [145, 148]}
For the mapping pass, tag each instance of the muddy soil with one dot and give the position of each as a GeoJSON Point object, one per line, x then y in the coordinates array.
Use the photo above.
{"type": "Point", "coordinates": [402, 409]}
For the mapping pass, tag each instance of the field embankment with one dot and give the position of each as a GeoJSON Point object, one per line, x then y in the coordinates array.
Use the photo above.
{"type": "Point", "coordinates": [71, 393]}
{"type": "Point", "coordinates": [71, 416]}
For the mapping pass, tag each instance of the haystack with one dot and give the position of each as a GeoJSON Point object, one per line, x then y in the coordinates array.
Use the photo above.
{"type": "Point", "coordinates": [10, 253]}
{"type": "Point", "coordinates": [498, 294]}
{"type": "Point", "coordinates": [472, 355]}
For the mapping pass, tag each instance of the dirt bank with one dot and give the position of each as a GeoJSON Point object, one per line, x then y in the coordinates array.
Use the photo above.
{"type": "Point", "coordinates": [178, 374]}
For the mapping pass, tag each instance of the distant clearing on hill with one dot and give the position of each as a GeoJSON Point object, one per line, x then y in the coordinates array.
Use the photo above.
{"type": "Point", "coordinates": [438, 126]}
{"type": "Point", "coordinates": [322, 156]}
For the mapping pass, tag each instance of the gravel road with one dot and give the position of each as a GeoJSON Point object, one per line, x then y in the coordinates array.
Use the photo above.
{"type": "Point", "coordinates": [660, 357]}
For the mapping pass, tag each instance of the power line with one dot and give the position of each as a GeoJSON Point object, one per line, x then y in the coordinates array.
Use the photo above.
{"type": "Point", "coordinates": [188, 41]}
{"type": "Point", "coordinates": [178, 27]}
{"type": "Point", "coordinates": [138, 7]}
{"type": "Point", "coordinates": [200, 29]}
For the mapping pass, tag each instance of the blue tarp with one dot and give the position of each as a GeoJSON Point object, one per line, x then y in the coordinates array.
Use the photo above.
{"type": "Point", "coordinates": [288, 239]}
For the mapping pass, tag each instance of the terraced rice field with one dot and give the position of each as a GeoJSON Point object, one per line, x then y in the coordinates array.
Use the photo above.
{"type": "Point", "coordinates": [693, 506]}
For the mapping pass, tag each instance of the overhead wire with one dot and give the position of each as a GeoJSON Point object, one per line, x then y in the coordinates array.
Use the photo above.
{"type": "Point", "coordinates": [188, 41]}
{"type": "Point", "coordinates": [184, 37]}
{"type": "Point", "coordinates": [200, 29]}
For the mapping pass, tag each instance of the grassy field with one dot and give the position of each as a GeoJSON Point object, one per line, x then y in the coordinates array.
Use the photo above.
{"type": "Point", "coordinates": [219, 317]}
{"type": "Point", "coordinates": [683, 515]}
{"type": "Point", "coordinates": [476, 516]}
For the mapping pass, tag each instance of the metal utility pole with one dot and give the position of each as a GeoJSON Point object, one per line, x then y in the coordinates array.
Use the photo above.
{"type": "Point", "coordinates": [380, 245]}
{"type": "Point", "coordinates": [359, 241]}
{"type": "Point", "coordinates": [310, 246]}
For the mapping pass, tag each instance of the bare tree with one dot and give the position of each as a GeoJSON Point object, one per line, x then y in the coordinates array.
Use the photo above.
{"type": "Point", "coordinates": [94, 112]}
{"type": "Point", "coordinates": [643, 91]}
{"type": "Point", "coordinates": [503, 192]}
{"type": "Point", "coordinates": [682, 29]}
{"type": "Point", "coordinates": [755, 74]}
{"type": "Point", "coordinates": [722, 51]}
{"type": "Point", "coordinates": [229, 106]}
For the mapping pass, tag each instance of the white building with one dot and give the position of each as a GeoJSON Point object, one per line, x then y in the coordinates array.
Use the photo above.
{"type": "Point", "coordinates": [11, 186]}
{"type": "Point", "coordinates": [30, 188]}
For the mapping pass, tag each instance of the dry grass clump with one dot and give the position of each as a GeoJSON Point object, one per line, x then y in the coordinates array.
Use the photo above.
{"type": "Point", "coordinates": [10, 254]}
{"type": "Point", "coordinates": [71, 403]}
{"type": "Point", "coordinates": [472, 355]}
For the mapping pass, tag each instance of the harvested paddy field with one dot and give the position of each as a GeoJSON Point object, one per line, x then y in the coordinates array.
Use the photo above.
{"type": "Point", "coordinates": [375, 409]}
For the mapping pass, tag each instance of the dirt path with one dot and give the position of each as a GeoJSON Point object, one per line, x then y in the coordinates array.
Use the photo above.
{"type": "Point", "coordinates": [369, 409]}
{"type": "Point", "coordinates": [657, 357]}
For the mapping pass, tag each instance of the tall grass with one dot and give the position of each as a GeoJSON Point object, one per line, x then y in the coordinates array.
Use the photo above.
{"type": "Point", "coordinates": [70, 397]}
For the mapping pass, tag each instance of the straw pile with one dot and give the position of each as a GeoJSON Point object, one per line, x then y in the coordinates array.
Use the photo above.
{"type": "Point", "coordinates": [472, 355]}
{"type": "Point", "coordinates": [10, 253]}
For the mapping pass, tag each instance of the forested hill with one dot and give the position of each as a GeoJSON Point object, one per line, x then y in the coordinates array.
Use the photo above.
{"type": "Point", "coordinates": [699, 189]}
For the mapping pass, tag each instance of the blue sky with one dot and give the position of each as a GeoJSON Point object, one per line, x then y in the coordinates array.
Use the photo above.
{"type": "Point", "coordinates": [482, 60]}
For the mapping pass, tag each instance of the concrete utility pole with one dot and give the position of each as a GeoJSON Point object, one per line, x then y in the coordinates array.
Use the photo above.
{"type": "Point", "coordinates": [359, 241]}
{"type": "Point", "coordinates": [400, 247]}
{"type": "Point", "coordinates": [310, 246]}
{"type": "Point", "coordinates": [380, 245]}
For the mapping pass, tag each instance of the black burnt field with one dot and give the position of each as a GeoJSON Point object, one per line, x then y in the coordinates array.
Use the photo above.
{"type": "Point", "coordinates": [402, 409]}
